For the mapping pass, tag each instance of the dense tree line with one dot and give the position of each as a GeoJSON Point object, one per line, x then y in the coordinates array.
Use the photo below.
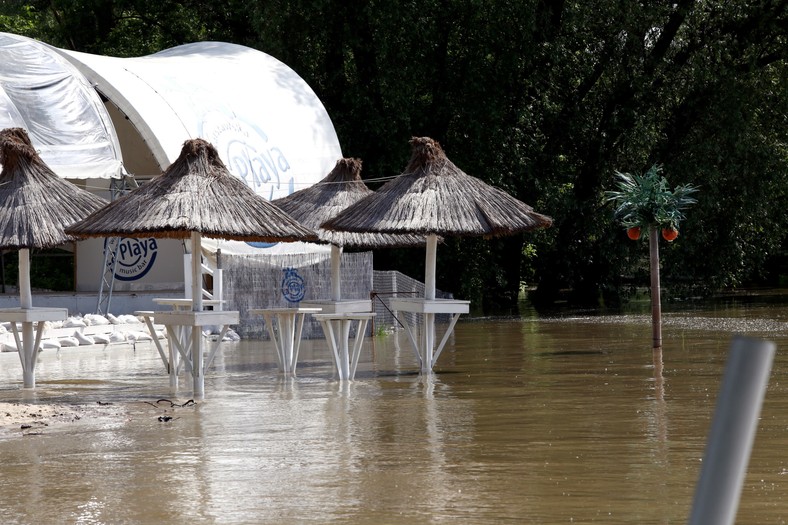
{"type": "Point", "coordinates": [543, 98]}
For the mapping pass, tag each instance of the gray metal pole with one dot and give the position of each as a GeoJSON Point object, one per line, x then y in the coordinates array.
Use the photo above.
{"type": "Point", "coordinates": [732, 432]}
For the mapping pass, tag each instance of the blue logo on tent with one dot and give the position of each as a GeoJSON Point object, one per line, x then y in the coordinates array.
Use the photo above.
{"type": "Point", "coordinates": [135, 257]}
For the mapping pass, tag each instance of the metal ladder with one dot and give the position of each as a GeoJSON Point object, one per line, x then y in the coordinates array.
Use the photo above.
{"type": "Point", "coordinates": [117, 188]}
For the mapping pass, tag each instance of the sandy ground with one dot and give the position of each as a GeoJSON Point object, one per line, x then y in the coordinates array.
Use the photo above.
{"type": "Point", "coordinates": [29, 418]}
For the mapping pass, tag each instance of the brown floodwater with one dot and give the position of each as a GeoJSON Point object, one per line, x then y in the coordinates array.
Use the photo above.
{"type": "Point", "coordinates": [569, 419]}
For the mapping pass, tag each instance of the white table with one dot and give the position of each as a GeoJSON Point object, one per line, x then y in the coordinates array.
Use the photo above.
{"type": "Point", "coordinates": [173, 364]}
{"type": "Point", "coordinates": [425, 348]}
{"type": "Point", "coordinates": [184, 334]}
{"type": "Point", "coordinates": [336, 327]}
{"type": "Point", "coordinates": [183, 303]}
{"type": "Point", "coordinates": [338, 307]}
{"type": "Point", "coordinates": [27, 345]}
{"type": "Point", "coordinates": [285, 326]}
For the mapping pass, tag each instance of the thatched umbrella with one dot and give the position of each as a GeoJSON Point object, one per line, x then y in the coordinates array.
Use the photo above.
{"type": "Point", "coordinates": [338, 190]}
{"type": "Point", "coordinates": [196, 196]}
{"type": "Point", "coordinates": [434, 197]}
{"type": "Point", "coordinates": [35, 207]}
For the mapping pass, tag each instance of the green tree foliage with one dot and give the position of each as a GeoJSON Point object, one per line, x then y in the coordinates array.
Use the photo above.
{"type": "Point", "coordinates": [543, 98]}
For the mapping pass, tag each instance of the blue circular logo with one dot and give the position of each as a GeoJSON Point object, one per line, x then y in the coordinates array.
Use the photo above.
{"type": "Point", "coordinates": [293, 288]}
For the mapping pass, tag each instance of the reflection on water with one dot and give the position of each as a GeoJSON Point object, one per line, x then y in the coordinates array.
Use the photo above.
{"type": "Point", "coordinates": [564, 420]}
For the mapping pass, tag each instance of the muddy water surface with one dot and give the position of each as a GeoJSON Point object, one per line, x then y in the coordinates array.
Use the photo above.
{"type": "Point", "coordinates": [532, 420]}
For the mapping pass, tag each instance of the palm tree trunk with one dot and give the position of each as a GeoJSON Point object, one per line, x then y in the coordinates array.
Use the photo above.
{"type": "Point", "coordinates": [656, 306]}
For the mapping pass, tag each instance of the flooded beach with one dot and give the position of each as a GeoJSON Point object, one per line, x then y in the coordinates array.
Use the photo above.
{"type": "Point", "coordinates": [536, 419]}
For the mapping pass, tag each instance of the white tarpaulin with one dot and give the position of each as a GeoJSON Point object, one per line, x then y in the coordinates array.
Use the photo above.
{"type": "Point", "coordinates": [268, 125]}
{"type": "Point", "coordinates": [67, 122]}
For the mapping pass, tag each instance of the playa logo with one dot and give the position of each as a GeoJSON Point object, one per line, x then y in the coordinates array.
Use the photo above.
{"type": "Point", "coordinates": [293, 288]}
{"type": "Point", "coordinates": [248, 153]}
{"type": "Point", "coordinates": [135, 257]}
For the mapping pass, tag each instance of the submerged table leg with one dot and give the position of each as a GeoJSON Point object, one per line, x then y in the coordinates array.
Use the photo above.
{"type": "Point", "coordinates": [197, 363]}
{"type": "Point", "coordinates": [429, 342]}
{"type": "Point", "coordinates": [411, 337]}
{"type": "Point", "coordinates": [337, 331]}
{"type": "Point", "coordinates": [445, 338]}
{"type": "Point", "coordinates": [26, 348]}
{"type": "Point", "coordinates": [297, 339]}
{"type": "Point", "coordinates": [152, 330]}
{"type": "Point", "coordinates": [275, 334]}
{"type": "Point", "coordinates": [344, 330]}
{"type": "Point", "coordinates": [328, 330]}
{"type": "Point", "coordinates": [287, 333]}
{"type": "Point", "coordinates": [180, 353]}
{"type": "Point", "coordinates": [361, 330]}
{"type": "Point", "coordinates": [174, 366]}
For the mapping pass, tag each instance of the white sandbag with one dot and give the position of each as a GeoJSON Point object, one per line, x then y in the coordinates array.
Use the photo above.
{"type": "Point", "coordinates": [138, 336]}
{"type": "Point", "coordinates": [231, 335]}
{"type": "Point", "coordinates": [101, 339]}
{"type": "Point", "coordinates": [50, 343]}
{"type": "Point", "coordinates": [128, 319]}
{"type": "Point", "coordinates": [74, 322]}
{"type": "Point", "coordinates": [95, 320]}
{"type": "Point", "coordinates": [83, 339]}
{"type": "Point", "coordinates": [112, 319]}
{"type": "Point", "coordinates": [68, 341]}
{"type": "Point", "coordinates": [117, 337]}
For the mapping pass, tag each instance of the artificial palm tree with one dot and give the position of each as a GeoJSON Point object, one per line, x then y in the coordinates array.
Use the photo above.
{"type": "Point", "coordinates": [646, 201]}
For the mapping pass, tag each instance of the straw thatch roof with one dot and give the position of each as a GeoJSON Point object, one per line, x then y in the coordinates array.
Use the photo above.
{"type": "Point", "coordinates": [35, 204]}
{"type": "Point", "coordinates": [195, 194]}
{"type": "Point", "coordinates": [341, 188]}
{"type": "Point", "coordinates": [435, 196]}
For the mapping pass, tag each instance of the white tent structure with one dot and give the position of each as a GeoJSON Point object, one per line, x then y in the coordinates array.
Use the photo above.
{"type": "Point", "coordinates": [269, 127]}
{"type": "Point", "coordinates": [267, 124]}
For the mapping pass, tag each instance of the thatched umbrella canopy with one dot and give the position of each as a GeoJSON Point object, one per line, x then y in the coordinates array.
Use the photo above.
{"type": "Point", "coordinates": [35, 204]}
{"type": "Point", "coordinates": [195, 196]}
{"type": "Point", "coordinates": [338, 190]}
{"type": "Point", "coordinates": [434, 197]}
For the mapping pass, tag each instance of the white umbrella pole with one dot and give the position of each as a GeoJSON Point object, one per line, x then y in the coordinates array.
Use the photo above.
{"type": "Point", "coordinates": [196, 272]}
{"type": "Point", "coordinates": [25, 297]}
{"type": "Point", "coordinates": [28, 338]}
{"type": "Point", "coordinates": [198, 374]}
{"type": "Point", "coordinates": [336, 277]}
{"type": "Point", "coordinates": [429, 294]}
{"type": "Point", "coordinates": [197, 362]}
{"type": "Point", "coordinates": [429, 267]}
